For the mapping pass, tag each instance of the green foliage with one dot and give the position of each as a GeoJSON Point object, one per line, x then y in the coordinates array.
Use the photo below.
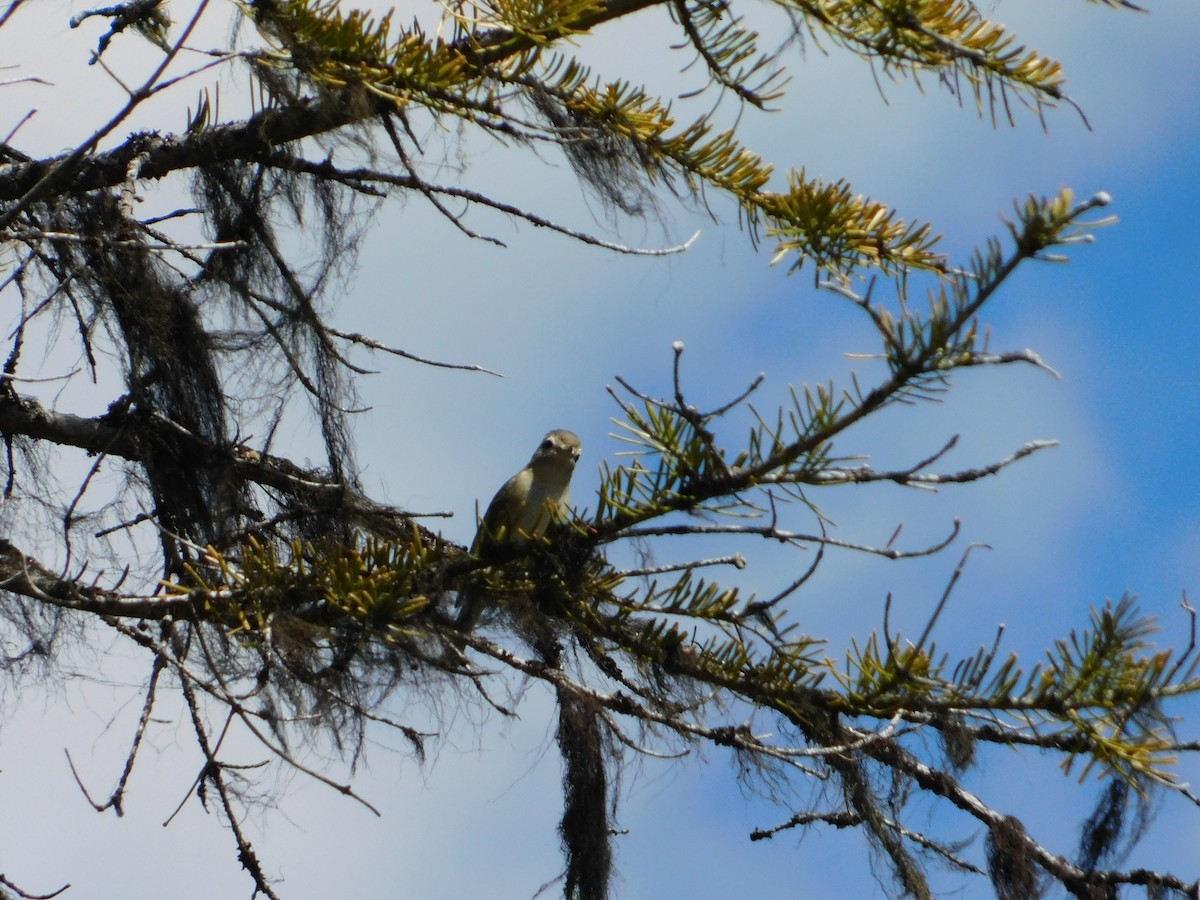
{"type": "Point", "coordinates": [530, 23]}
{"type": "Point", "coordinates": [840, 232]}
{"type": "Point", "coordinates": [517, 43]}
{"type": "Point", "coordinates": [911, 37]}
{"type": "Point", "coordinates": [730, 51]}
{"type": "Point", "coordinates": [1097, 696]}
{"type": "Point", "coordinates": [679, 465]}
{"type": "Point", "coordinates": [375, 585]}
{"type": "Point", "coordinates": [336, 50]}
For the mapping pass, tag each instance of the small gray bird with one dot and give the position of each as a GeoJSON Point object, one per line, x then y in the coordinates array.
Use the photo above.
{"type": "Point", "coordinates": [527, 504]}
{"type": "Point", "coordinates": [536, 497]}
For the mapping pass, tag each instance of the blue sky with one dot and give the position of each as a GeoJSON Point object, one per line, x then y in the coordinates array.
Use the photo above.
{"type": "Point", "coordinates": [1115, 508]}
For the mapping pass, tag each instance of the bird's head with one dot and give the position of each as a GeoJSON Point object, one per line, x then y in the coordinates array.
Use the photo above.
{"type": "Point", "coordinates": [559, 448]}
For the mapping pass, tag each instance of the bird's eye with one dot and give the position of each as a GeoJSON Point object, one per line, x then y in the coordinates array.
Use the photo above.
{"type": "Point", "coordinates": [547, 444]}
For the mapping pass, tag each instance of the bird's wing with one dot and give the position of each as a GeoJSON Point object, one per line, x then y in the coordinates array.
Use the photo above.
{"type": "Point", "coordinates": [500, 512]}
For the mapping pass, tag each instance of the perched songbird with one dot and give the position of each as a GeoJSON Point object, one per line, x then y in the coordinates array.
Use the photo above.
{"type": "Point", "coordinates": [530, 502]}
{"type": "Point", "coordinates": [535, 498]}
